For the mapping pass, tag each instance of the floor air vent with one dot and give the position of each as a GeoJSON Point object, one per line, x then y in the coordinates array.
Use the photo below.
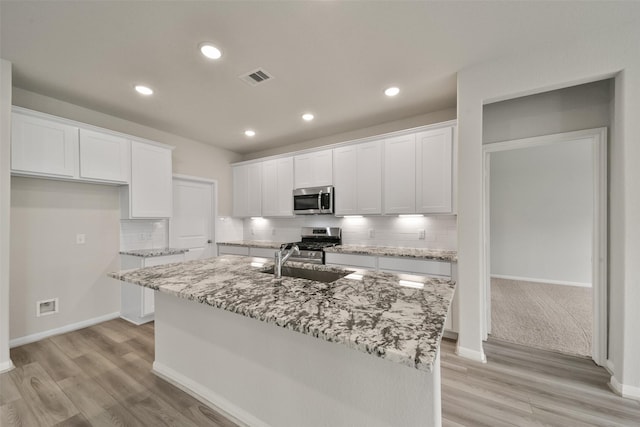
{"type": "Point", "coordinates": [256, 76]}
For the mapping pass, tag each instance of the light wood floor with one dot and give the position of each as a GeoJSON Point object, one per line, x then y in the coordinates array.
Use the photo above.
{"type": "Point", "coordinates": [100, 376]}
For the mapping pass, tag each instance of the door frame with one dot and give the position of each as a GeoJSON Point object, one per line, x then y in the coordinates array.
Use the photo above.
{"type": "Point", "coordinates": [598, 138]}
{"type": "Point", "coordinates": [214, 206]}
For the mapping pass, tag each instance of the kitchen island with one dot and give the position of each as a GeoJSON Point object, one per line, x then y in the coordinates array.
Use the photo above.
{"type": "Point", "coordinates": [361, 350]}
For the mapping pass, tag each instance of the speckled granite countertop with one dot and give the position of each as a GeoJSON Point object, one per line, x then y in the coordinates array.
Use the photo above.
{"type": "Point", "coordinates": [423, 253]}
{"type": "Point", "coordinates": [254, 244]}
{"type": "Point", "coordinates": [370, 312]}
{"type": "Point", "coordinates": [147, 253]}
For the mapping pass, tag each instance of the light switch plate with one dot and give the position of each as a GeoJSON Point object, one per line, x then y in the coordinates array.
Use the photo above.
{"type": "Point", "coordinates": [421, 234]}
{"type": "Point", "coordinates": [81, 239]}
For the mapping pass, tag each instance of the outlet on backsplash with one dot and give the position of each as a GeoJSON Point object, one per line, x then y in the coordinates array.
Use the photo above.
{"type": "Point", "coordinates": [421, 234]}
{"type": "Point", "coordinates": [372, 233]}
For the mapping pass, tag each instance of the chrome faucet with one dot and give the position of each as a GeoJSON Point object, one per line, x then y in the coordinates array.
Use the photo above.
{"type": "Point", "coordinates": [280, 260]}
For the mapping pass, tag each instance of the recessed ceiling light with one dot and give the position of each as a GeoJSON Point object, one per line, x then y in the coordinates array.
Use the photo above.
{"type": "Point", "coordinates": [307, 117]}
{"type": "Point", "coordinates": [144, 90]}
{"type": "Point", "coordinates": [392, 91]}
{"type": "Point", "coordinates": [250, 132]}
{"type": "Point", "coordinates": [210, 51]}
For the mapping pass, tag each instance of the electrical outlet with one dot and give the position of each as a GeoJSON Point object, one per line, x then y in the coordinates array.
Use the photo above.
{"type": "Point", "coordinates": [81, 239]}
{"type": "Point", "coordinates": [141, 236]}
{"type": "Point", "coordinates": [273, 231]}
{"type": "Point", "coordinates": [421, 234]}
{"type": "Point", "coordinates": [253, 232]}
{"type": "Point", "coordinates": [372, 233]}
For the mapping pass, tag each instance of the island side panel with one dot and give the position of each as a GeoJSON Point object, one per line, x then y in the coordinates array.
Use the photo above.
{"type": "Point", "coordinates": [265, 375]}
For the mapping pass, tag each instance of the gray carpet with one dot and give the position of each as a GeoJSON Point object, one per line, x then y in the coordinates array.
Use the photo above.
{"type": "Point", "coordinates": [550, 317]}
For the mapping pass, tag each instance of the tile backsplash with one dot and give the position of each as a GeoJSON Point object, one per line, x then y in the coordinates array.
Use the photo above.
{"type": "Point", "coordinates": [439, 232]}
{"type": "Point", "coordinates": [143, 234]}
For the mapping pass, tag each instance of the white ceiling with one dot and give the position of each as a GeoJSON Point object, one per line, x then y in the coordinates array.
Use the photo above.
{"type": "Point", "coordinates": [332, 58]}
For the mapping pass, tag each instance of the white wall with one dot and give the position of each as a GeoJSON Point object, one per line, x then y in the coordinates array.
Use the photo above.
{"type": "Point", "coordinates": [189, 158]}
{"type": "Point", "coordinates": [586, 106]}
{"type": "Point", "coordinates": [47, 263]}
{"type": "Point", "coordinates": [5, 202]}
{"type": "Point", "coordinates": [609, 52]}
{"type": "Point", "coordinates": [407, 123]}
{"type": "Point", "coordinates": [542, 213]}
{"type": "Point", "coordinates": [440, 230]}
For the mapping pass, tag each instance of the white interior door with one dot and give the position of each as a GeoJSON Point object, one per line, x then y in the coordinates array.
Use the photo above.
{"type": "Point", "coordinates": [192, 220]}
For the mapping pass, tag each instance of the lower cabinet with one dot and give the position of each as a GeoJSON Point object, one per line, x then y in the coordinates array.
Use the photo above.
{"type": "Point", "coordinates": [137, 303]}
{"type": "Point", "coordinates": [422, 267]}
{"type": "Point", "coordinates": [246, 251]}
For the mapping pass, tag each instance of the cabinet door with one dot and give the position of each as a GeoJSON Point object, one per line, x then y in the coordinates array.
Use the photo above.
{"type": "Point", "coordinates": [43, 146]}
{"type": "Point", "coordinates": [313, 169]}
{"type": "Point", "coordinates": [322, 166]}
{"type": "Point", "coordinates": [434, 170]}
{"type": "Point", "coordinates": [284, 176]}
{"type": "Point", "coordinates": [344, 176]}
{"type": "Point", "coordinates": [400, 174]}
{"type": "Point", "coordinates": [269, 188]}
{"type": "Point", "coordinates": [104, 157]}
{"type": "Point", "coordinates": [369, 178]}
{"type": "Point", "coordinates": [151, 179]}
{"type": "Point", "coordinates": [254, 189]}
{"type": "Point", "coordinates": [240, 186]}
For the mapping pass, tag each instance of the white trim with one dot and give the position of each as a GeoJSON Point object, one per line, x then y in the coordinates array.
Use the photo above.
{"type": "Point", "coordinates": [28, 339]}
{"type": "Point", "coordinates": [628, 391]}
{"type": "Point", "coordinates": [598, 137]}
{"type": "Point", "coordinates": [537, 280]}
{"type": "Point", "coordinates": [6, 366]}
{"type": "Point", "coordinates": [207, 396]}
{"type": "Point", "coordinates": [362, 140]}
{"type": "Point", "coordinates": [609, 366]}
{"type": "Point", "coordinates": [195, 178]}
{"type": "Point", "coordinates": [467, 353]}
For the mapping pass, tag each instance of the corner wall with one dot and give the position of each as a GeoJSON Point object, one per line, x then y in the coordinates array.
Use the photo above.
{"type": "Point", "coordinates": [608, 53]}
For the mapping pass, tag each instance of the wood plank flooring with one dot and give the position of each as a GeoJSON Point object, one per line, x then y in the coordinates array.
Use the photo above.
{"type": "Point", "coordinates": [101, 376]}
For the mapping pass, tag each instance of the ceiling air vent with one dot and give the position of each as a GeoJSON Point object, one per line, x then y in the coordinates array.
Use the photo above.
{"type": "Point", "coordinates": [256, 76]}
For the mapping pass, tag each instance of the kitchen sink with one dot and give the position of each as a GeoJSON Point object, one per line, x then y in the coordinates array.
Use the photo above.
{"type": "Point", "coordinates": [317, 275]}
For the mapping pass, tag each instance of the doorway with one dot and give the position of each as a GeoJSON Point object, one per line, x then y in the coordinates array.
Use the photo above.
{"type": "Point", "coordinates": [545, 237]}
{"type": "Point", "coordinates": [192, 225]}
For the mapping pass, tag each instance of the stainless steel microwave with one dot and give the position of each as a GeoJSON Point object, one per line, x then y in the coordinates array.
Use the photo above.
{"type": "Point", "coordinates": [313, 200]}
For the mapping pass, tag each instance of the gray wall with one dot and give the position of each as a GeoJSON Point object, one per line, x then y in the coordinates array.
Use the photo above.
{"type": "Point", "coordinates": [542, 213]}
{"type": "Point", "coordinates": [47, 263]}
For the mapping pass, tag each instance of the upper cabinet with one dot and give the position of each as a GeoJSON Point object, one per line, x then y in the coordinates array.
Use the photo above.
{"type": "Point", "coordinates": [418, 172]}
{"type": "Point", "coordinates": [277, 187]}
{"type": "Point", "coordinates": [313, 169]}
{"type": "Point", "coordinates": [43, 147]}
{"type": "Point", "coordinates": [357, 176]}
{"type": "Point", "coordinates": [104, 157]}
{"type": "Point", "coordinates": [150, 190]}
{"type": "Point", "coordinates": [247, 190]}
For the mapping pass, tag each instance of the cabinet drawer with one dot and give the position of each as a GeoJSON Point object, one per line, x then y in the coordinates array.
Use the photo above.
{"type": "Point", "coordinates": [233, 250]}
{"type": "Point", "coordinates": [262, 252]}
{"type": "Point", "coordinates": [419, 266]}
{"type": "Point", "coordinates": [159, 260]}
{"type": "Point", "coordinates": [362, 261]}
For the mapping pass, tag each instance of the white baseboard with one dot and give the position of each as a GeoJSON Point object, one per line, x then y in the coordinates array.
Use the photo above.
{"type": "Point", "coordinates": [630, 392]}
{"type": "Point", "coordinates": [467, 353]}
{"type": "Point", "coordinates": [28, 339]}
{"type": "Point", "coordinates": [207, 396]}
{"type": "Point", "coordinates": [6, 366]}
{"type": "Point", "coordinates": [538, 280]}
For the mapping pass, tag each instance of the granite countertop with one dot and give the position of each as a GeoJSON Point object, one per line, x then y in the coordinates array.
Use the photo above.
{"type": "Point", "coordinates": [370, 312]}
{"type": "Point", "coordinates": [420, 253]}
{"type": "Point", "coordinates": [147, 253]}
{"type": "Point", "coordinates": [254, 244]}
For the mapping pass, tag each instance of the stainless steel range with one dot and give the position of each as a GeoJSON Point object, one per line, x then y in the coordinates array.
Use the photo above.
{"type": "Point", "coordinates": [314, 240]}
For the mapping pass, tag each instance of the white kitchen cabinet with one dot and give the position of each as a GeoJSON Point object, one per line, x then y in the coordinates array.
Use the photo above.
{"type": "Point", "coordinates": [357, 173]}
{"type": "Point", "coordinates": [400, 174]}
{"type": "Point", "coordinates": [104, 157]}
{"type": "Point", "coordinates": [419, 266]}
{"type": "Point", "coordinates": [43, 147]}
{"type": "Point", "coordinates": [313, 169]}
{"type": "Point", "coordinates": [277, 187]}
{"type": "Point", "coordinates": [137, 303]}
{"type": "Point", "coordinates": [434, 149]}
{"type": "Point", "coordinates": [149, 194]}
{"type": "Point", "coordinates": [247, 190]}
{"type": "Point", "coordinates": [233, 250]}
{"type": "Point", "coordinates": [268, 253]}
{"type": "Point", "coordinates": [352, 260]}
